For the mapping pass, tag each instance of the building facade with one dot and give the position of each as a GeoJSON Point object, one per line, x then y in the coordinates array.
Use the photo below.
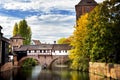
{"type": "Point", "coordinates": [4, 49]}
{"type": "Point", "coordinates": [84, 6]}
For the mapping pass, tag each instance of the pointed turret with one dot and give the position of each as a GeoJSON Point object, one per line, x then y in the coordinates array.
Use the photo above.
{"type": "Point", "coordinates": [84, 6]}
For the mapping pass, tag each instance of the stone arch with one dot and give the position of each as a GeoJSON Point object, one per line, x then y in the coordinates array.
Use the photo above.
{"type": "Point", "coordinates": [51, 63]}
{"type": "Point", "coordinates": [24, 58]}
{"type": "Point", "coordinates": [57, 58]}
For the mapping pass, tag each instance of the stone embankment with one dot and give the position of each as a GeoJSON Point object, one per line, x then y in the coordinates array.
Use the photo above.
{"type": "Point", "coordinates": [6, 66]}
{"type": "Point", "coordinates": [105, 69]}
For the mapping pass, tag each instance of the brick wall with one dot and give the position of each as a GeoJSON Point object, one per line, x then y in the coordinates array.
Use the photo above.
{"type": "Point", "coordinates": [105, 69]}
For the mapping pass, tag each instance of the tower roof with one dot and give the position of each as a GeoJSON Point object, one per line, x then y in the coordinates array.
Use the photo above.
{"type": "Point", "coordinates": [17, 37]}
{"type": "Point", "coordinates": [87, 2]}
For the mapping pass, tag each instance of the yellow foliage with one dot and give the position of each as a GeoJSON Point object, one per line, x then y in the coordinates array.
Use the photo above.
{"type": "Point", "coordinates": [79, 36]}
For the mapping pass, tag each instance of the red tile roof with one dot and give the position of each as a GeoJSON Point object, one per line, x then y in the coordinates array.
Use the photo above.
{"type": "Point", "coordinates": [87, 2]}
{"type": "Point", "coordinates": [44, 47]}
{"type": "Point", "coordinates": [17, 37]}
{"type": "Point", "coordinates": [37, 42]}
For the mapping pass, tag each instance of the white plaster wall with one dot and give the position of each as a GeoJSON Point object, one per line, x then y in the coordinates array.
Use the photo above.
{"type": "Point", "coordinates": [56, 52]}
{"type": "Point", "coordinates": [62, 52]}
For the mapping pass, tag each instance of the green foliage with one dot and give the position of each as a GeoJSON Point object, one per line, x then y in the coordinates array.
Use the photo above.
{"type": "Point", "coordinates": [103, 38]}
{"type": "Point", "coordinates": [24, 30]}
{"type": "Point", "coordinates": [29, 62]}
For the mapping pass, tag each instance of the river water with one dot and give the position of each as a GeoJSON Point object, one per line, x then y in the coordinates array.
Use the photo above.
{"type": "Point", "coordinates": [36, 73]}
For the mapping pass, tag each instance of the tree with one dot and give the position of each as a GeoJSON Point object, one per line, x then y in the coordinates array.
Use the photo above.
{"type": "Point", "coordinates": [64, 40]}
{"type": "Point", "coordinates": [29, 34]}
{"type": "Point", "coordinates": [104, 32]}
{"type": "Point", "coordinates": [15, 30]}
{"type": "Point", "coordinates": [97, 36]}
{"type": "Point", "coordinates": [24, 30]}
{"type": "Point", "coordinates": [78, 53]}
{"type": "Point", "coordinates": [61, 40]}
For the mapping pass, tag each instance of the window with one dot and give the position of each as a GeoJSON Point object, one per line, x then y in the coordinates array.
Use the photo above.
{"type": "Point", "coordinates": [29, 51]}
{"type": "Point", "coordinates": [15, 40]}
{"type": "Point", "coordinates": [40, 51]}
{"type": "Point", "coordinates": [44, 51]}
{"type": "Point", "coordinates": [87, 9]}
{"type": "Point", "coordinates": [59, 51]}
{"type": "Point", "coordinates": [53, 50]}
{"type": "Point", "coordinates": [66, 51]}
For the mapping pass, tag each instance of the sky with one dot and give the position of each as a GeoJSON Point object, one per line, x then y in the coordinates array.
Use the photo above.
{"type": "Point", "coordinates": [49, 20]}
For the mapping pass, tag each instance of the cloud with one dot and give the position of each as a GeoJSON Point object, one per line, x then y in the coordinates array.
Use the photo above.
{"type": "Point", "coordinates": [37, 4]}
{"type": "Point", "coordinates": [7, 23]}
{"type": "Point", "coordinates": [51, 27]}
{"type": "Point", "coordinates": [49, 19]}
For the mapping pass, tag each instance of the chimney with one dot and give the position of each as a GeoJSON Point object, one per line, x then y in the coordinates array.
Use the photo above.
{"type": "Point", "coordinates": [1, 34]}
{"type": "Point", "coordinates": [54, 42]}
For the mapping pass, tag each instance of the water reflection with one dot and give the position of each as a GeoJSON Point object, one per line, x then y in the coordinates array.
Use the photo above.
{"type": "Point", "coordinates": [36, 73]}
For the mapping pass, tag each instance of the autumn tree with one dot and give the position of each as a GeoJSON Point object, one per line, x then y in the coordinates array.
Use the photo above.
{"type": "Point", "coordinates": [64, 40]}
{"type": "Point", "coordinates": [78, 53]}
{"type": "Point", "coordinates": [24, 30]}
{"type": "Point", "coordinates": [61, 40]}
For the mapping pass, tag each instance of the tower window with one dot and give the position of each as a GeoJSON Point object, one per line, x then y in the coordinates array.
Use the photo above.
{"type": "Point", "coordinates": [89, 2]}
{"type": "Point", "coordinates": [87, 9]}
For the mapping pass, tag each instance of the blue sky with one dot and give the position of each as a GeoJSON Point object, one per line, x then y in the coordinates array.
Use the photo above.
{"type": "Point", "coordinates": [48, 19]}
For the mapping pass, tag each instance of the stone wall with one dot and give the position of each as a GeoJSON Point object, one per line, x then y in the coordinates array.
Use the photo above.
{"type": "Point", "coordinates": [105, 69]}
{"type": "Point", "coordinates": [6, 66]}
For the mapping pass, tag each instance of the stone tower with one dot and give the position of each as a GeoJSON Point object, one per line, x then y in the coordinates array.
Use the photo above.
{"type": "Point", "coordinates": [16, 41]}
{"type": "Point", "coordinates": [84, 6]}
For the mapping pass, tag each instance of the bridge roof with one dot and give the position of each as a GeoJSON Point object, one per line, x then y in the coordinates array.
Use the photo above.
{"type": "Point", "coordinates": [35, 47]}
{"type": "Point", "coordinates": [44, 47]}
{"type": "Point", "coordinates": [61, 47]}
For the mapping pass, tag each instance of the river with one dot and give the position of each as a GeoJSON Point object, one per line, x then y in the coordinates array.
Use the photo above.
{"type": "Point", "coordinates": [36, 73]}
